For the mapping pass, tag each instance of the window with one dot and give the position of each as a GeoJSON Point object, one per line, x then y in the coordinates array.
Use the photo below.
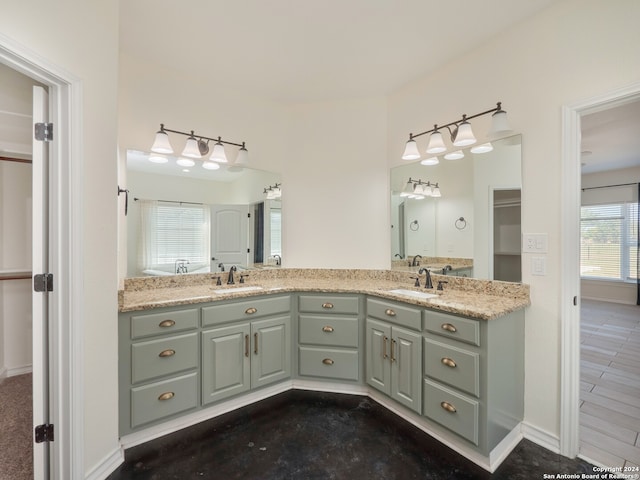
{"type": "Point", "coordinates": [609, 241]}
{"type": "Point", "coordinates": [275, 224]}
{"type": "Point", "coordinates": [173, 232]}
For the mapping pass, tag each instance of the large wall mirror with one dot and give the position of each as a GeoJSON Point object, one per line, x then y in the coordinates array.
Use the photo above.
{"type": "Point", "coordinates": [473, 228]}
{"type": "Point", "coordinates": [186, 219]}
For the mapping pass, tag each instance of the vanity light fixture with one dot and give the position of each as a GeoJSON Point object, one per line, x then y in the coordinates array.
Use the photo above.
{"type": "Point", "coordinates": [484, 148]}
{"type": "Point", "coordinates": [457, 155]}
{"type": "Point", "coordinates": [185, 162]}
{"type": "Point", "coordinates": [430, 161]}
{"type": "Point", "coordinates": [460, 133]}
{"type": "Point", "coordinates": [418, 190]}
{"type": "Point", "coordinates": [197, 146]}
{"type": "Point", "coordinates": [273, 191]}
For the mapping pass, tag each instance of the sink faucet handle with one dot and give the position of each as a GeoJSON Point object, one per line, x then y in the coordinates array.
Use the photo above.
{"type": "Point", "coordinates": [242, 277]}
{"type": "Point", "coordinates": [440, 284]}
{"type": "Point", "coordinates": [417, 283]}
{"type": "Point", "coordinates": [218, 281]}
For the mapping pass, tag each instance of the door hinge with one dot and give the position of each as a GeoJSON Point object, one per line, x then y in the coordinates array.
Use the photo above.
{"type": "Point", "coordinates": [43, 131]}
{"type": "Point", "coordinates": [43, 282]}
{"type": "Point", "coordinates": [44, 433]}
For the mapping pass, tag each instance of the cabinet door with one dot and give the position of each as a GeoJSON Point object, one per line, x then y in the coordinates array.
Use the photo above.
{"type": "Point", "coordinates": [271, 354]}
{"type": "Point", "coordinates": [378, 366]}
{"type": "Point", "coordinates": [406, 368]}
{"type": "Point", "coordinates": [225, 362]}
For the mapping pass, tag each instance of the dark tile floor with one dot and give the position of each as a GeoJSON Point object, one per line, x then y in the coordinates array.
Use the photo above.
{"type": "Point", "coordinates": [311, 435]}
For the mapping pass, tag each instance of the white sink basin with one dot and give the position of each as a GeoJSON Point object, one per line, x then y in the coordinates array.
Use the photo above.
{"type": "Point", "coordinates": [413, 293]}
{"type": "Point", "coordinates": [222, 291]}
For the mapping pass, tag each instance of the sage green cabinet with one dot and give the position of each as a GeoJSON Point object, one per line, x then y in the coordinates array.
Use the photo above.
{"type": "Point", "coordinates": [394, 353]}
{"type": "Point", "coordinates": [239, 357]}
{"type": "Point", "coordinates": [329, 336]}
{"type": "Point", "coordinates": [474, 375]}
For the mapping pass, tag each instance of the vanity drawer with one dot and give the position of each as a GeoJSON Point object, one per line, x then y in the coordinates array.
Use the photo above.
{"type": "Point", "coordinates": [453, 410]}
{"type": "Point", "coordinates": [162, 399]}
{"type": "Point", "coordinates": [329, 363]}
{"type": "Point", "coordinates": [328, 304]}
{"type": "Point", "coordinates": [328, 330]}
{"type": "Point", "coordinates": [451, 326]}
{"type": "Point", "coordinates": [453, 366]}
{"type": "Point", "coordinates": [246, 309]}
{"type": "Point", "coordinates": [396, 313]}
{"type": "Point", "coordinates": [148, 324]}
{"type": "Point", "coordinates": [163, 356]}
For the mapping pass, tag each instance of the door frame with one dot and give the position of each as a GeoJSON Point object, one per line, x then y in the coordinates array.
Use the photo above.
{"type": "Point", "coordinates": [65, 236]}
{"type": "Point", "coordinates": [570, 269]}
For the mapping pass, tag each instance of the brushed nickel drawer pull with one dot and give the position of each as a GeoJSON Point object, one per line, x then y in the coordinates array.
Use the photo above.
{"type": "Point", "coordinates": [166, 323]}
{"type": "Point", "coordinates": [448, 407]}
{"type": "Point", "coordinates": [393, 344]}
{"type": "Point", "coordinates": [166, 396]}
{"type": "Point", "coordinates": [448, 327]}
{"type": "Point", "coordinates": [327, 329]}
{"type": "Point", "coordinates": [246, 345]}
{"type": "Point", "coordinates": [327, 305]}
{"type": "Point", "coordinates": [255, 343]}
{"type": "Point", "coordinates": [327, 361]}
{"type": "Point", "coordinates": [448, 362]}
{"type": "Point", "coordinates": [167, 353]}
{"type": "Point", "coordinates": [390, 312]}
{"type": "Point", "coordinates": [251, 310]}
{"type": "Point", "coordinates": [384, 347]}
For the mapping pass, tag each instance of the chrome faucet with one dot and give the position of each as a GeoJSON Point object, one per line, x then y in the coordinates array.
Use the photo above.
{"type": "Point", "coordinates": [415, 262]}
{"type": "Point", "coordinates": [427, 282]}
{"type": "Point", "coordinates": [230, 277]}
{"type": "Point", "coordinates": [278, 259]}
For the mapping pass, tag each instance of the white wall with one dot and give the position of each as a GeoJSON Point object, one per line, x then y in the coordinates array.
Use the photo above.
{"type": "Point", "coordinates": [336, 209]}
{"type": "Point", "coordinates": [571, 51]}
{"type": "Point", "coordinates": [81, 38]}
{"type": "Point", "coordinates": [618, 292]}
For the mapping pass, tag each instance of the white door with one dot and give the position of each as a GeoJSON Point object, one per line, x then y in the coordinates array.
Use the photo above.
{"type": "Point", "coordinates": [40, 263]}
{"type": "Point", "coordinates": [229, 235]}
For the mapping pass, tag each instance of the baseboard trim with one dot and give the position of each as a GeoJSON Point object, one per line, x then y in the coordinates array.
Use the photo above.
{"type": "Point", "coordinates": [15, 371]}
{"type": "Point", "coordinates": [541, 437]}
{"type": "Point", "coordinates": [107, 466]}
{"type": "Point", "coordinates": [607, 300]}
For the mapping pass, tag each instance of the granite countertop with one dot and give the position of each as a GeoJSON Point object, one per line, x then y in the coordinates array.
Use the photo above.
{"type": "Point", "coordinates": [480, 299]}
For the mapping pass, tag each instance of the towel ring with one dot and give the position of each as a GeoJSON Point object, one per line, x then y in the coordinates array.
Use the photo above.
{"type": "Point", "coordinates": [414, 226]}
{"type": "Point", "coordinates": [461, 223]}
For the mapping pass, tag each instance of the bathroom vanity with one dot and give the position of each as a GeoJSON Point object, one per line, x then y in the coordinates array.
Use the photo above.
{"type": "Point", "coordinates": [452, 364]}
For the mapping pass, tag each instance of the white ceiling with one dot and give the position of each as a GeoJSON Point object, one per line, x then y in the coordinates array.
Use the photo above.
{"type": "Point", "coordinates": [303, 51]}
{"type": "Point", "coordinates": [611, 138]}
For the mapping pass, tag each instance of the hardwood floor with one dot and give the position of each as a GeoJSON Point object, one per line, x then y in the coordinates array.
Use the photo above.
{"type": "Point", "coordinates": [610, 383]}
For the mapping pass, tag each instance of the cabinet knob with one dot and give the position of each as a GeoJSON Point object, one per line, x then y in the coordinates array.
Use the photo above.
{"type": "Point", "coordinates": [448, 327]}
{"type": "Point", "coordinates": [166, 396]}
{"type": "Point", "coordinates": [251, 310]}
{"type": "Point", "coordinates": [327, 361]}
{"type": "Point", "coordinates": [327, 329]}
{"type": "Point", "coordinates": [327, 305]}
{"type": "Point", "coordinates": [448, 362]}
{"type": "Point", "coordinates": [448, 407]}
{"type": "Point", "coordinates": [166, 323]}
{"type": "Point", "coordinates": [167, 353]}
{"type": "Point", "coordinates": [390, 312]}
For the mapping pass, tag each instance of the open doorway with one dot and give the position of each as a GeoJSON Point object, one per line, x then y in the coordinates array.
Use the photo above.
{"type": "Point", "coordinates": [609, 412]}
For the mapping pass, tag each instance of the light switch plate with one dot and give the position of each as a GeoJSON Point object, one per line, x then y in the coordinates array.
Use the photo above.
{"type": "Point", "coordinates": [539, 265]}
{"type": "Point", "coordinates": [535, 243]}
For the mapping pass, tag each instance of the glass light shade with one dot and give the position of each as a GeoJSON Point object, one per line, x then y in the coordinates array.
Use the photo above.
{"type": "Point", "coordinates": [483, 148]}
{"type": "Point", "coordinates": [411, 151]}
{"type": "Point", "coordinates": [158, 159]}
{"type": "Point", "coordinates": [436, 143]}
{"type": "Point", "coordinates": [210, 165]}
{"type": "Point", "coordinates": [191, 149]}
{"type": "Point", "coordinates": [218, 154]}
{"type": "Point", "coordinates": [435, 192]}
{"type": "Point", "coordinates": [428, 191]}
{"type": "Point", "coordinates": [430, 161]}
{"type": "Point", "coordinates": [418, 189]}
{"type": "Point", "coordinates": [243, 157]}
{"type": "Point", "coordinates": [185, 162]}
{"type": "Point", "coordinates": [408, 190]}
{"type": "Point", "coordinates": [499, 125]}
{"type": "Point", "coordinates": [161, 143]}
{"type": "Point", "coordinates": [464, 136]}
{"type": "Point", "coordinates": [277, 192]}
{"type": "Point", "coordinates": [457, 155]}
